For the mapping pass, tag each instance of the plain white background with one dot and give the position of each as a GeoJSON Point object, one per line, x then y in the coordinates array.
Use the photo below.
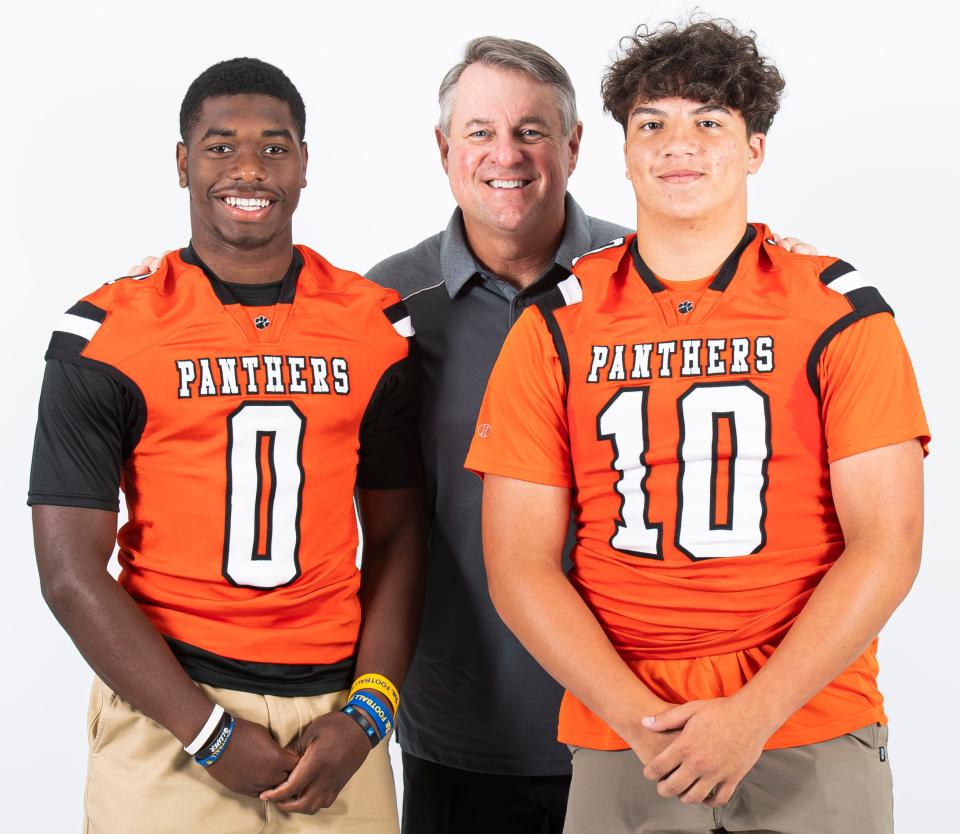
{"type": "Point", "coordinates": [862, 161]}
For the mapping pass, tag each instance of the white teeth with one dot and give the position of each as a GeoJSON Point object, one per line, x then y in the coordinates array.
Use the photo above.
{"type": "Point", "coordinates": [246, 203]}
{"type": "Point", "coordinates": [506, 183]}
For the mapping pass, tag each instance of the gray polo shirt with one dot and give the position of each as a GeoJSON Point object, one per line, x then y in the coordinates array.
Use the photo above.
{"type": "Point", "coordinates": [473, 698]}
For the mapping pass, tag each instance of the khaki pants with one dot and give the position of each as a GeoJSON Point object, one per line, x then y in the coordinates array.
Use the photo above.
{"type": "Point", "coordinates": [841, 786]}
{"type": "Point", "coordinates": [140, 781]}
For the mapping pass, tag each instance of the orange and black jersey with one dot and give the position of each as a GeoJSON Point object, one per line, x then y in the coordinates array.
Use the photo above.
{"type": "Point", "coordinates": [696, 423]}
{"type": "Point", "coordinates": [238, 422]}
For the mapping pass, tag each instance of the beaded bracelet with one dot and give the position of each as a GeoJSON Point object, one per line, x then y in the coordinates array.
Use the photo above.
{"type": "Point", "coordinates": [364, 723]}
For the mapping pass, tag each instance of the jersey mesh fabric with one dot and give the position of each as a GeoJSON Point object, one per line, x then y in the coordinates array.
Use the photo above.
{"type": "Point", "coordinates": [242, 537]}
{"type": "Point", "coordinates": [701, 473]}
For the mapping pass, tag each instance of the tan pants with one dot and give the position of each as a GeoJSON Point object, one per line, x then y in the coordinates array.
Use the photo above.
{"type": "Point", "coordinates": [841, 786]}
{"type": "Point", "coordinates": [140, 781]}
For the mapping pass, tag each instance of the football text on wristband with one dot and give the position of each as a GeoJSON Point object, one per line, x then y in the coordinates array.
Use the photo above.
{"type": "Point", "coordinates": [376, 709]}
{"type": "Point", "coordinates": [380, 684]}
{"type": "Point", "coordinates": [209, 753]}
{"type": "Point", "coordinates": [364, 723]}
{"type": "Point", "coordinates": [206, 731]}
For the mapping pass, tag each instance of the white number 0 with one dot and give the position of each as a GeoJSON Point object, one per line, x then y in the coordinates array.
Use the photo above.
{"type": "Point", "coordinates": [703, 529]}
{"type": "Point", "coordinates": [264, 491]}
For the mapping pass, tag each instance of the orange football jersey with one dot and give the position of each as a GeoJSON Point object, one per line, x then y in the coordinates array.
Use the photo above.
{"type": "Point", "coordinates": [239, 481]}
{"type": "Point", "coordinates": [695, 424]}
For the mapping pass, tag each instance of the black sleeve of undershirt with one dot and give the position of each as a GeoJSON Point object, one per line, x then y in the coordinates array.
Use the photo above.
{"type": "Point", "coordinates": [86, 427]}
{"type": "Point", "coordinates": [389, 437]}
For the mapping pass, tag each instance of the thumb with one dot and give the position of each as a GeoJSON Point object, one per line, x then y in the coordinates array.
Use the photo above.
{"type": "Point", "coordinates": [670, 719]}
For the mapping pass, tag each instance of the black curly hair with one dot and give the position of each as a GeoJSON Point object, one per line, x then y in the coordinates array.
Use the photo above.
{"type": "Point", "coordinates": [238, 77]}
{"type": "Point", "coordinates": [706, 60]}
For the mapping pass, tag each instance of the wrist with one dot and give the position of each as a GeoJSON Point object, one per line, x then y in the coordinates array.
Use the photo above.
{"type": "Point", "coordinates": [763, 710]}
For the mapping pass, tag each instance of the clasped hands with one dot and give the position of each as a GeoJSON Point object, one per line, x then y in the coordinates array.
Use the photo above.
{"type": "Point", "coordinates": [699, 751]}
{"type": "Point", "coordinates": [303, 777]}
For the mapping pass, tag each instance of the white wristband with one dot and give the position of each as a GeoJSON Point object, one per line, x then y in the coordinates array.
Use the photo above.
{"type": "Point", "coordinates": [205, 730]}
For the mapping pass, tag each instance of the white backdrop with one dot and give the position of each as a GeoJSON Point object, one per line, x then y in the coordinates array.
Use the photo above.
{"type": "Point", "coordinates": [862, 161]}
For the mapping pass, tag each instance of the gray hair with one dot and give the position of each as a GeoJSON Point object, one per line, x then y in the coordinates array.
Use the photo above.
{"type": "Point", "coordinates": [510, 54]}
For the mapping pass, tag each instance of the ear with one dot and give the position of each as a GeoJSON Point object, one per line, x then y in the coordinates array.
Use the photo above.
{"type": "Point", "coordinates": [756, 150]}
{"type": "Point", "coordinates": [444, 145]}
{"type": "Point", "coordinates": [303, 173]}
{"type": "Point", "coordinates": [182, 165]}
{"type": "Point", "coordinates": [574, 144]}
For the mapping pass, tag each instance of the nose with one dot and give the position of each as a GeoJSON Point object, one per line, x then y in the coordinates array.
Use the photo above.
{"type": "Point", "coordinates": [680, 140]}
{"type": "Point", "coordinates": [507, 151]}
{"type": "Point", "coordinates": [247, 166]}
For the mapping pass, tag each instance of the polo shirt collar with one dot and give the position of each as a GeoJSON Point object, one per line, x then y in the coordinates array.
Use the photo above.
{"type": "Point", "coordinates": [458, 265]}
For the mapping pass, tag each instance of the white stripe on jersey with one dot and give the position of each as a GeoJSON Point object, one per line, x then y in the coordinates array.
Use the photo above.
{"type": "Point", "coordinates": [78, 325]}
{"type": "Point", "coordinates": [851, 281]}
{"type": "Point", "coordinates": [612, 243]}
{"type": "Point", "coordinates": [571, 290]}
{"type": "Point", "coordinates": [404, 327]}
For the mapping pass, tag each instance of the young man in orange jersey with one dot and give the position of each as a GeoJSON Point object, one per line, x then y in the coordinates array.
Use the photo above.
{"type": "Point", "coordinates": [241, 395]}
{"type": "Point", "coordinates": [744, 432]}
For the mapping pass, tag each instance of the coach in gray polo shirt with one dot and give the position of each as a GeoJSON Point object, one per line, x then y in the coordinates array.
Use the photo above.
{"type": "Point", "coordinates": [479, 716]}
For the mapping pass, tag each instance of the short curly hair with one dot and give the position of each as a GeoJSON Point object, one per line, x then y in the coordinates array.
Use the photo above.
{"type": "Point", "coordinates": [240, 77]}
{"type": "Point", "coordinates": [706, 60]}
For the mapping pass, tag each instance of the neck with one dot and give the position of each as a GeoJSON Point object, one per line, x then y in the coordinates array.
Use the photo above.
{"type": "Point", "coordinates": [688, 249]}
{"type": "Point", "coordinates": [263, 264]}
{"type": "Point", "coordinates": [518, 258]}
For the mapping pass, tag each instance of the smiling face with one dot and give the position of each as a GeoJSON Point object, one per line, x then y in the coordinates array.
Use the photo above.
{"type": "Point", "coordinates": [244, 165]}
{"type": "Point", "coordinates": [506, 156]}
{"type": "Point", "coordinates": [689, 161]}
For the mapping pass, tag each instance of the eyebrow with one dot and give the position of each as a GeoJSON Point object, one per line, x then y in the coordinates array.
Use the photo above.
{"type": "Point", "coordinates": [653, 111]}
{"type": "Point", "coordinates": [224, 132]}
{"type": "Point", "coordinates": [524, 120]}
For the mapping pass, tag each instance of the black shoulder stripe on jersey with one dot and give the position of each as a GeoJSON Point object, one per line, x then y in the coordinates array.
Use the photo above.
{"type": "Point", "coordinates": [86, 310]}
{"type": "Point", "coordinates": [62, 342]}
{"type": "Point", "coordinates": [396, 312]}
{"type": "Point", "coordinates": [130, 443]}
{"type": "Point", "coordinates": [866, 301]}
{"type": "Point", "coordinates": [835, 270]}
{"type": "Point", "coordinates": [546, 310]}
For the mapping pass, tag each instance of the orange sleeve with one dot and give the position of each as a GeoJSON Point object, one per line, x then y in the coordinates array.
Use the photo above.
{"type": "Point", "coordinates": [870, 394]}
{"type": "Point", "coordinates": [522, 427]}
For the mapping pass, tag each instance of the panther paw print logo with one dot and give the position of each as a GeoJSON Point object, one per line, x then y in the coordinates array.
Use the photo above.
{"type": "Point", "coordinates": [261, 322]}
{"type": "Point", "coordinates": [685, 307]}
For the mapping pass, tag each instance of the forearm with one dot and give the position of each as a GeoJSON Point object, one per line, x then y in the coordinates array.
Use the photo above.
{"type": "Point", "coordinates": [551, 620]}
{"type": "Point", "coordinates": [126, 651]}
{"type": "Point", "coordinates": [391, 585]}
{"type": "Point", "coordinates": [842, 617]}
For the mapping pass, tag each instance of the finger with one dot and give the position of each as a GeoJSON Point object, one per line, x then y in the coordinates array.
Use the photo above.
{"type": "Point", "coordinates": [309, 803]}
{"type": "Point", "coordinates": [138, 269]}
{"type": "Point", "coordinates": [671, 719]}
{"type": "Point", "coordinates": [697, 792]}
{"type": "Point", "coordinates": [290, 788]}
{"type": "Point", "coordinates": [664, 764]}
{"type": "Point", "coordinates": [682, 779]}
{"type": "Point", "coordinates": [802, 248]}
{"type": "Point", "coordinates": [721, 795]}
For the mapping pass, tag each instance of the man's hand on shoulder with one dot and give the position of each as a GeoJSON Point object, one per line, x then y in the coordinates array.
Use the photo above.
{"type": "Point", "coordinates": [720, 739]}
{"type": "Point", "coordinates": [149, 264]}
{"type": "Point", "coordinates": [252, 761]}
{"type": "Point", "coordinates": [331, 749]}
{"type": "Point", "coordinates": [792, 244]}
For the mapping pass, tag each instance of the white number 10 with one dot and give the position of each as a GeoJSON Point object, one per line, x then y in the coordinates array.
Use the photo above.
{"type": "Point", "coordinates": [707, 478]}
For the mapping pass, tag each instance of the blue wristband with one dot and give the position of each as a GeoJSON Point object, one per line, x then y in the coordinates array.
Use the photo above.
{"type": "Point", "coordinates": [214, 750]}
{"type": "Point", "coordinates": [376, 709]}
